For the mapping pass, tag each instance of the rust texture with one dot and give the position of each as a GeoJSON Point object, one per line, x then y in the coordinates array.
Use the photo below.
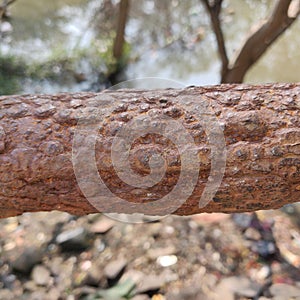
{"type": "Point", "coordinates": [261, 129]}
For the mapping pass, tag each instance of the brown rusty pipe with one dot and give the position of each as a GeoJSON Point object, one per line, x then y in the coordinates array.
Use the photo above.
{"type": "Point", "coordinates": [260, 126]}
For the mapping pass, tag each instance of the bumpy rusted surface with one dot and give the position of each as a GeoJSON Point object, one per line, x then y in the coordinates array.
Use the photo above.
{"type": "Point", "coordinates": [261, 128]}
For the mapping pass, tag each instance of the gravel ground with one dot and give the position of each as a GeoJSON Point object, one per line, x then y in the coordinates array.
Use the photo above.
{"type": "Point", "coordinates": [209, 256]}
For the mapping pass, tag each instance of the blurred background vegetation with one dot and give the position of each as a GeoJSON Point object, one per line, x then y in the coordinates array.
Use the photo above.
{"type": "Point", "coordinates": [70, 45]}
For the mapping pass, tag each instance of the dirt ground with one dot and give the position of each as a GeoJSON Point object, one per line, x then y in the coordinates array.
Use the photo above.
{"type": "Point", "coordinates": [209, 256]}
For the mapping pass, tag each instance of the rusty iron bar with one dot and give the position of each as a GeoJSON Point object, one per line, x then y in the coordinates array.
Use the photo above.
{"type": "Point", "coordinates": [261, 131]}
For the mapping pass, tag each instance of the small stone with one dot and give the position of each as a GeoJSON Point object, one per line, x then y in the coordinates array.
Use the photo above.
{"type": "Point", "coordinates": [168, 276]}
{"type": "Point", "coordinates": [103, 225]}
{"type": "Point", "coordinates": [188, 293]}
{"type": "Point", "coordinates": [74, 239]}
{"type": "Point", "coordinates": [285, 291]}
{"type": "Point", "coordinates": [41, 275]}
{"type": "Point", "coordinates": [94, 276]}
{"type": "Point", "coordinates": [8, 281]}
{"type": "Point", "coordinates": [55, 265]}
{"type": "Point", "coordinates": [114, 269]}
{"type": "Point", "coordinates": [158, 297]}
{"type": "Point", "coordinates": [157, 252]}
{"type": "Point", "coordinates": [210, 218]}
{"type": "Point", "coordinates": [85, 265]}
{"type": "Point", "coordinates": [252, 234]}
{"type": "Point", "coordinates": [99, 245]}
{"type": "Point", "coordinates": [54, 294]}
{"type": "Point", "coordinates": [150, 284]}
{"type": "Point", "coordinates": [38, 295]}
{"type": "Point", "coordinates": [27, 259]}
{"type": "Point", "coordinates": [234, 286]}
{"type": "Point", "coordinates": [133, 275]}
{"type": "Point", "coordinates": [243, 220]}
{"type": "Point", "coordinates": [7, 294]}
{"type": "Point", "coordinates": [167, 260]}
{"type": "Point", "coordinates": [263, 273]}
{"type": "Point", "coordinates": [65, 275]}
{"type": "Point", "coordinates": [30, 285]}
{"type": "Point", "coordinates": [264, 248]}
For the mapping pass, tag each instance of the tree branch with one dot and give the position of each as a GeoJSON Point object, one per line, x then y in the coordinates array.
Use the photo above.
{"type": "Point", "coordinates": [4, 6]}
{"type": "Point", "coordinates": [284, 14]}
{"type": "Point", "coordinates": [214, 10]}
{"type": "Point", "coordinates": [120, 32]}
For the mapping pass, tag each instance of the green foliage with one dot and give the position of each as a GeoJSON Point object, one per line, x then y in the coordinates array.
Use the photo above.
{"type": "Point", "coordinates": [51, 68]}
{"type": "Point", "coordinates": [11, 71]}
{"type": "Point", "coordinates": [62, 65]}
{"type": "Point", "coordinates": [8, 85]}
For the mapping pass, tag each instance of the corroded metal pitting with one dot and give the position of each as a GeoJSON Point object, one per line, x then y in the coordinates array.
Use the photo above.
{"type": "Point", "coordinates": [261, 130]}
{"type": "Point", "coordinates": [95, 189]}
{"type": "Point", "coordinates": [151, 122]}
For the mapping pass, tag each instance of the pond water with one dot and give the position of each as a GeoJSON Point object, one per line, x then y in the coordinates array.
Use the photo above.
{"type": "Point", "coordinates": [169, 39]}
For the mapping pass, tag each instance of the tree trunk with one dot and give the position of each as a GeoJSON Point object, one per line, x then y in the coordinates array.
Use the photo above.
{"type": "Point", "coordinates": [120, 32]}
{"type": "Point", "coordinates": [261, 132]}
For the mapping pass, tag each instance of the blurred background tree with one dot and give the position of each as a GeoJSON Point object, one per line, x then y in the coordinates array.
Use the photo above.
{"type": "Point", "coordinates": [77, 45]}
{"type": "Point", "coordinates": [284, 14]}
